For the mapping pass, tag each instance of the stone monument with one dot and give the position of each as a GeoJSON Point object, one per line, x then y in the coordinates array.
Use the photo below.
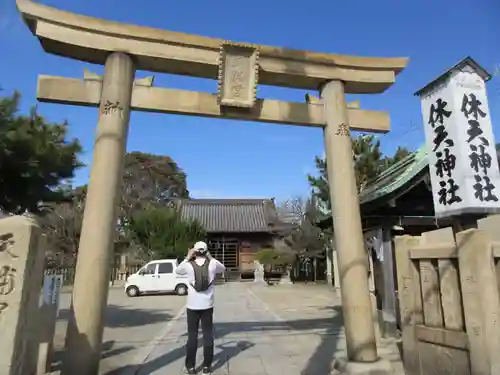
{"type": "Point", "coordinates": [285, 278]}
{"type": "Point", "coordinates": [258, 273]}
{"type": "Point", "coordinates": [21, 271]}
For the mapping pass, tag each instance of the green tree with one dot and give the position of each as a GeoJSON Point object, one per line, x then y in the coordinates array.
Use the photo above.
{"type": "Point", "coordinates": [367, 157]}
{"type": "Point", "coordinates": [400, 154]}
{"type": "Point", "coordinates": [62, 225]}
{"type": "Point", "coordinates": [161, 232]}
{"type": "Point", "coordinates": [303, 237]}
{"type": "Point", "coordinates": [151, 179]}
{"type": "Point", "coordinates": [270, 256]}
{"type": "Point", "coordinates": [368, 163]}
{"type": "Point", "coordinates": [148, 180]}
{"type": "Point", "coordinates": [35, 158]}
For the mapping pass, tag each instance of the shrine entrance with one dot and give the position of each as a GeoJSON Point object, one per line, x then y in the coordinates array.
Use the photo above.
{"type": "Point", "coordinates": [238, 68]}
{"type": "Point", "coordinates": [225, 250]}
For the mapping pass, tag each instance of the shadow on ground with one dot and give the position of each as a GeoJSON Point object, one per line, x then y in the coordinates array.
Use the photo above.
{"type": "Point", "coordinates": [227, 351]}
{"type": "Point", "coordinates": [108, 351]}
{"type": "Point", "coordinates": [116, 317]}
{"type": "Point", "coordinates": [119, 316]}
{"type": "Point", "coordinates": [321, 361]}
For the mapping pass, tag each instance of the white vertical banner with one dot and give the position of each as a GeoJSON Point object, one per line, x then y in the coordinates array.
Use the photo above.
{"type": "Point", "coordinates": [476, 140]}
{"type": "Point", "coordinates": [463, 162]}
{"type": "Point", "coordinates": [52, 285]}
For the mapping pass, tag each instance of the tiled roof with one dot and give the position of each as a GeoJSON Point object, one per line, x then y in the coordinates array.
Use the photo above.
{"type": "Point", "coordinates": [396, 179]}
{"type": "Point", "coordinates": [231, 215]}
{"type": "Point", "coordinates": [391, 180]}
{"type": "Point", "coordinates": [396, 176]}
{"type": "Point", "coordinates": [399, 175]}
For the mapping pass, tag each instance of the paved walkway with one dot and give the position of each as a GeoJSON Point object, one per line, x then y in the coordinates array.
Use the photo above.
{"type": "Point", "coordinates": [130, 325]}
{"type": "Point", "coordinates": [258, 331]}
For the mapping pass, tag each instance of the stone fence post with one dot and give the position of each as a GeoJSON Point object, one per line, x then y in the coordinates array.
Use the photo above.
{"type": "Point", "coordinates": [47, 318]}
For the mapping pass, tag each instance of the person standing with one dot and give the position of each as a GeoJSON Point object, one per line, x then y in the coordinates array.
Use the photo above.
{"type": "Point", "coordinates": [201, 269]}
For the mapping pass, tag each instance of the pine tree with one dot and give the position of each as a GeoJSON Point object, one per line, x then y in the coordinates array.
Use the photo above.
{"type": "Point", "coordinates": [368, 163]}
{"type": "Point", "coordinates": [35, 158]}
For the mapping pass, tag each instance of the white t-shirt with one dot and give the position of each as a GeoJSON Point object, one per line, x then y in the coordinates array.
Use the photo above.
{"type": "Point", "coordinates": [200, 300]}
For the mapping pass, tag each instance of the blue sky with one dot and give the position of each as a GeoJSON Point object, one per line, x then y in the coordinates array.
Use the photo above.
{"type": "Point", "coordinates": [224, 158]}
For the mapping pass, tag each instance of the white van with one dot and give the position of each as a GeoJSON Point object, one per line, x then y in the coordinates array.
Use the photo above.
{"type": "Point", "coordinates": [157, 276]}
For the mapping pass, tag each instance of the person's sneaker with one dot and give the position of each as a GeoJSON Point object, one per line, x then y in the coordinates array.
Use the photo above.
{"type": "Point", "coordinates": [207, 370]}
{"type": "Point", "coordinates": [191, 371]}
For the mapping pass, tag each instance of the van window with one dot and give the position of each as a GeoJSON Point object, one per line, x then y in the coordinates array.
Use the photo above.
{"type": "Point", "coordinates": [165, 268]}
{"type": "Point", "coordinates": [150, 269]}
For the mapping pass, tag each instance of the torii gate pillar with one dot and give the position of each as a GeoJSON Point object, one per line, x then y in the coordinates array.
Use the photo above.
{"type": "Point", "coordinates": [90, 289]}
{"type": "Point", "coordinates": [349, 242]}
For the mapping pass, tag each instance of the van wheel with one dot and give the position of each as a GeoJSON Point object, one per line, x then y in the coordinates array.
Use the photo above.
{"type": "Point", "coordinates": [181, 290]}
{"type": "Point", "coordinates": [132, 291]}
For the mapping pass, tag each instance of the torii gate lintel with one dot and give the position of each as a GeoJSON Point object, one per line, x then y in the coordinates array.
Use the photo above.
{"type": "Point", "coordinates": [147, 98]}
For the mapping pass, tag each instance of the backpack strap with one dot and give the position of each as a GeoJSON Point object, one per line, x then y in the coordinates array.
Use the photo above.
{"type": "Point", "coordinates": [201, 276]}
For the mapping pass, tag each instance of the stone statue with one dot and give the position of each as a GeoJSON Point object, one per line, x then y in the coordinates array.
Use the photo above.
{"type": "Point", "coordinates": [259, 273]}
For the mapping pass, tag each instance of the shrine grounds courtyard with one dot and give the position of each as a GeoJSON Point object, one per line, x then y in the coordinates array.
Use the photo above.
{"type": "Point", "coordinates": [282, 329]}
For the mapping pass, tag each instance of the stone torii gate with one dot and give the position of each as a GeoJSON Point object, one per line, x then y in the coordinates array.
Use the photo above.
{"type": "Point", "coordinates": [239, 68]}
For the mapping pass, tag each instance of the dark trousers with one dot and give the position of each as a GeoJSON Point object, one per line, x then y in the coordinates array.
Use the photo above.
{"type": "Point", "coordinates": [207, 326]}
